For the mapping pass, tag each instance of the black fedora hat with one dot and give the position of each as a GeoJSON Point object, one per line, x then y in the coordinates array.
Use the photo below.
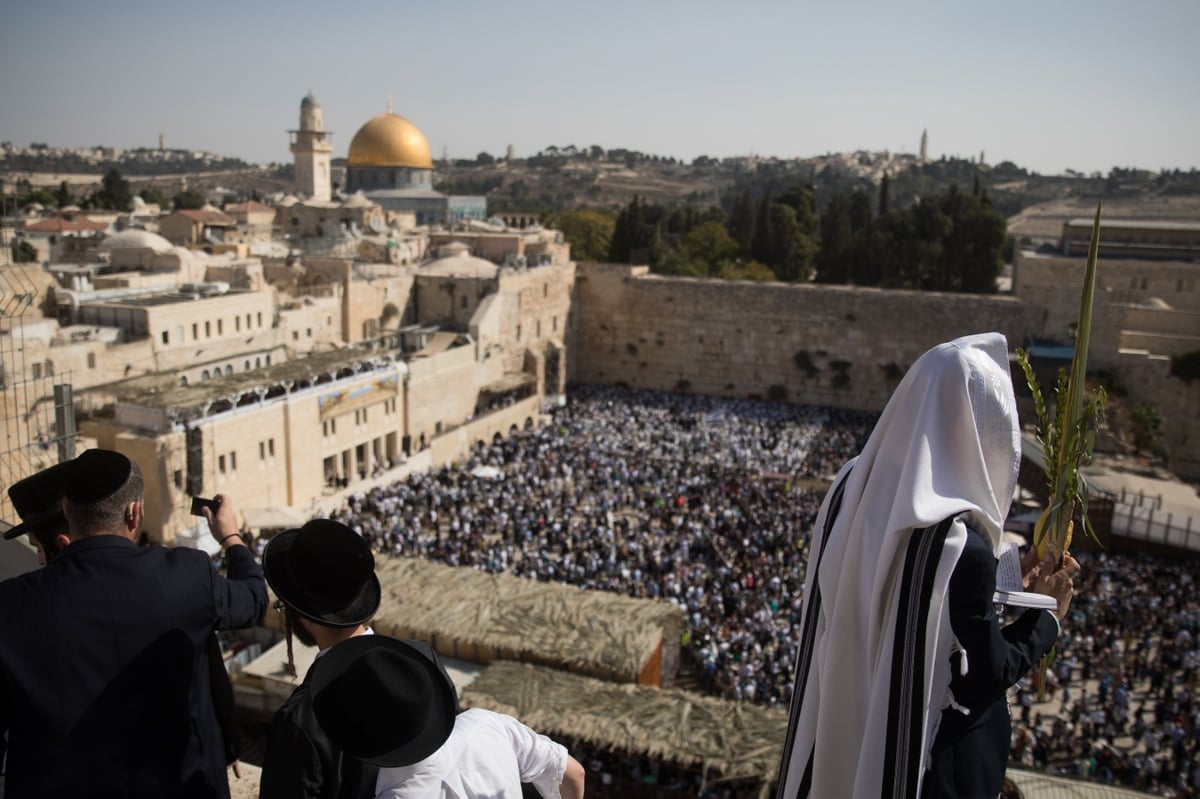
{"type": "Point", "coordinates": [385, 701]}
{"type": "Point", "coordinates": [325, 572]}
{"type": "Point", "coordinates": [37, 499]}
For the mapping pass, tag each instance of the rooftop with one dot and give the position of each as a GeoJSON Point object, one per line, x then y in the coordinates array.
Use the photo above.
{"type": "Point", "coordinates": [162, 390]}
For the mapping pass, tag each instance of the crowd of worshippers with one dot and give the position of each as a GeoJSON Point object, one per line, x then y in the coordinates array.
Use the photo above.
{"type": "Point", "coordinates": [703, 501]}
{"type": "Point", "coordinates": [698, 500]}
{"type": "Point", "coordinates": [1123, 690]}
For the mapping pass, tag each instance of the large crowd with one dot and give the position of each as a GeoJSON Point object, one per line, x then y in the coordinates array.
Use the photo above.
{"type": "Point", "coordinates": [709, 503]}
{"type": "Point", "coordinates": [696, 500]}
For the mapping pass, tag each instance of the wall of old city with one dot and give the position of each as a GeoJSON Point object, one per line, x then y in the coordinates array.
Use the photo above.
{"type": "Point", "coordinates": [535, 310]}
{"type": "Point", "coordinates": [827, 345]}
{"type": "Point", "coordinates": [368, 293]}
{"type": "Point", "coordinates": [1147, 379]}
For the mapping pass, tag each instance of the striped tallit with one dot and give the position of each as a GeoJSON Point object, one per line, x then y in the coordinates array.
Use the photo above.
{"type": "Point", "coordinates": [873, 670]}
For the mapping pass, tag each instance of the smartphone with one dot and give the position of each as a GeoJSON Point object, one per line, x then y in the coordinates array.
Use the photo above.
{"type": "Point", "coordinates": [198, 503]}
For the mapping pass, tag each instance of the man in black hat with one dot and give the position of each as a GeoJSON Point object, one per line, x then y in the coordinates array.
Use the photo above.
{"type": "Point", "coordinates": [37, 499]}
{"type": "Point", "coordinates": [324, 576]}
{"type": "Point", "coordinates": [388, 703]}
{"type": "Point", "coordinates": [104, 672]}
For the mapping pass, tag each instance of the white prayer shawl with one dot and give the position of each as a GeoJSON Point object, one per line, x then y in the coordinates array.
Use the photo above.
{"type": "Point", "coordinates": [874, 664]}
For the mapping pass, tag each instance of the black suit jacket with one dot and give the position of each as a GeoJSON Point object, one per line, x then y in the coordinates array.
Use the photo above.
{"type": "Point", "coordinates": [104, 673]}
{"type": "Point", "coordinates": [970, 752]}
{"type": "Point", "coordinates": [300, 762]}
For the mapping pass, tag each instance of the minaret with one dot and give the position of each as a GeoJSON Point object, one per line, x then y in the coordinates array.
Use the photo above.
{"type": "Point", "coordinates": [924, 146]}
{"type": "Point", "coordinates": [312, 150]}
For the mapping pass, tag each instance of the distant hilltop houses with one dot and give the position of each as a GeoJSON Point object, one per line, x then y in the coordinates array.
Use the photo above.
{"type": "Point", "coordinates": [39, 157]}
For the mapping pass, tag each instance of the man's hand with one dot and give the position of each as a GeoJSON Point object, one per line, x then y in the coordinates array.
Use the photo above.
{"type": "Point", "coordinates": [1059, 584]}
{"type": "Point", "coordinates": [223, 523]}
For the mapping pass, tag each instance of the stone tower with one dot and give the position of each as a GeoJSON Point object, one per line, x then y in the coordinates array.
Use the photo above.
{"type": "Point", "coordinates": [312, 151]}
{"type": "Point", "coordinates": [924, 146]}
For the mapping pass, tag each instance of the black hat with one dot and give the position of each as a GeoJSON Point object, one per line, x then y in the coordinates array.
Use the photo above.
{"type": "Point", "coordinates": [382, 700]}
{"type": "Point", "coordinates": [95, 475]}
{"type": "Point", "coordinates": [38, 500]}
{"type": "Point", "coordinates": [325, 572]}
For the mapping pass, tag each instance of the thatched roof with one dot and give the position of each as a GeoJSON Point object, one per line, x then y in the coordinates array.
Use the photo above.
{"type": "Point", "coordinates": [722, 738]}
{"type": "Point", "coordinates": [472, 615]}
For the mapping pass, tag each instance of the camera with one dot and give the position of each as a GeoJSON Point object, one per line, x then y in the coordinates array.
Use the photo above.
{"type": "Point", "coordinates": [199, 503]}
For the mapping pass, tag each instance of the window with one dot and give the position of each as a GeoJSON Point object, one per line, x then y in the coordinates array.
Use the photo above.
{"type": "Point", "coordinates": [91, 360]}
{"type": "Point", "coordinates": [554, 324]}
{"type": "Point", "coordinates": [295, 335]}
{"type": "Point", "coordinates": [195, 331]}
{"type": "Point", "coordinates": [220, 327]}
{"type": "Point", "coordinates": [247, 364]}
{"type": "Point", "coordinates": [233, 461]}
{"type": "Point", "coordinates": [177, 478]}
{"type": "Point", "coordinates": [204, 375]}
{"type": "Point", "coordinates": [165, 338]}
{"type": "Point", "coordinates": [208, 329]}
{"type": "Point", "coordinates": [268, 359]}
{"type": "Point", "coordinates": [49, 368]}
{"type": "Point", "coordinates": [333, 426]}
{"type": "Point", "coordinates": [228, 369]}
{"type": "Point", "coordinates": [262, 450]}
{"type": "Point", "coordinates": [308, 331]}
{"type": "Point", "coordinates": [260, 318]}
{"type": "Point", "coordinates": [1144, 283]}
{"type": "Point", "coordinates": [221, 464]}
{"type": "Point", "coordinates": [257, 362]}
{"type": "Point", "coordinates": [518, 332]}
{"type": "Point", "coordinates": [37, 371]}
{"type": "Point", "coordinates": [183, 380]}
{"type": "Point", "coordinates": [271, 447]}
{"type": "Point", "coordinates": [545, 289]}
{"type": "Point", "coordinates": [237, 324]}
{"type": "Point", "coordinates": [247, 321]}
{"type": "Point", "coordinates": [463, 303]}
{"type": "Point", "coordinates": [539, 328]}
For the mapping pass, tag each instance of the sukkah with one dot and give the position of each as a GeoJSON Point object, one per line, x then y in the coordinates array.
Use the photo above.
{"type": "Point", "coordinates": [724, 740]}
{"type": "Point", "coordinates": [481, 617]}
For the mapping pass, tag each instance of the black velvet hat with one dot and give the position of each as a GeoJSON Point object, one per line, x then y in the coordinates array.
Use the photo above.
{"type": "Point", "coordinates": [325, 572]}
{"type": "Point", "coordinates": [385, 701]}
{"type": "Point", "coordinates": [38, 500]}
{"type": "Point", "coordinates": [95, 475]}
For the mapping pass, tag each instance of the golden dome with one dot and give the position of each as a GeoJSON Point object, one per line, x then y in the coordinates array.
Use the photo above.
{"type": "Point", "coordinates": [390, 140]}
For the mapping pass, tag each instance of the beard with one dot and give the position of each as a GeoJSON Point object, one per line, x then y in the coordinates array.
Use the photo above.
{"type": "Point", "coordinates": [297, 628]}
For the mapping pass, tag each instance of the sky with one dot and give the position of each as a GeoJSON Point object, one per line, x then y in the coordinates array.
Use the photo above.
{"type": "Point", "coordinates": [1048, 85]}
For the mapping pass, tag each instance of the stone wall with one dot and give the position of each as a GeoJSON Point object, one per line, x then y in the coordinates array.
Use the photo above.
{"type": "Point", "coordinates": [828, 345]}
{"type": "Point", "coordinates": [1147, 380]}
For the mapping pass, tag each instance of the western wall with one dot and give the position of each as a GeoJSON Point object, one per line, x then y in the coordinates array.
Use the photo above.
{"type": "Point", "coordinates": [839, 346]}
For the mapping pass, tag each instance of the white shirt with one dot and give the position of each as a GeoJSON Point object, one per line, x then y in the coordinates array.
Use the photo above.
{"type": "Point", "coordinates": [487, 756]}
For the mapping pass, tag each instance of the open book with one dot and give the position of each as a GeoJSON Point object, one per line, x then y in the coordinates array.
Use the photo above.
{"type": "Point", "coordinates": [1009, 588]}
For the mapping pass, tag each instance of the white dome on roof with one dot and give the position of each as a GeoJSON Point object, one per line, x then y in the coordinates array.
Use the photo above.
{"type": "Point", "coordinates": [460, 264]}
{"type": "Point", "coordinates": [357, 200]}
{"type": "Point", "coordinates": [136, 240]}
{"type": "Point", "coordinates": [289, 201]}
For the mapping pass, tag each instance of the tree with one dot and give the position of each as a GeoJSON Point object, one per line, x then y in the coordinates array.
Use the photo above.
{"type": "Point", "coordinates": [885, 200]}
{"type": "Point", "coordinates": [23, 252]}
{"type": "Point", "coordinates": [741, 222]}
{"type": "Point", "coordinates": [1147, 425]}
{"type": "Point", "coordinates": [114, 192]}
{"type": "Point", "coordinates": [484, 159]}
{"type": "Point", "coordinates": [188, 200]}
{"type": "Point", "coordinates": [63, 198]}
{"type": "Point", "coordinates": [710, 244]}
{"type": "Point", "coordinates": [750, 270]}
{"type": "Point", "coordinates": [154, 197]}
{"type": "Point", "coordinates": [837, 236]}
{"type": "Point", "coordinates": [590, 233]}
